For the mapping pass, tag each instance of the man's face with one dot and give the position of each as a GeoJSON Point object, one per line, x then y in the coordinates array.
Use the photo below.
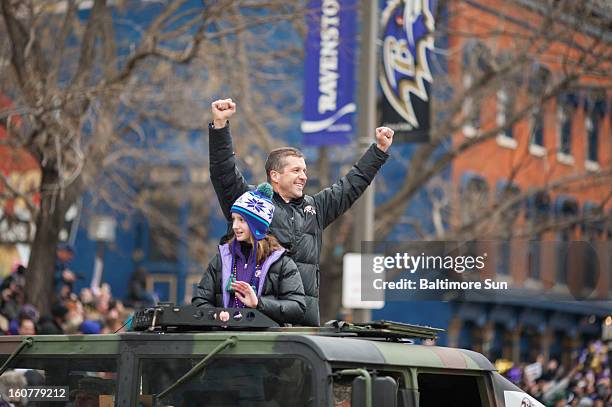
{"type": "Point", "coordinates": [27, 327]}
{"type": "Point", "coordinates": [291, 180]}
{"type": "Point", "coordinates": [64, 255]}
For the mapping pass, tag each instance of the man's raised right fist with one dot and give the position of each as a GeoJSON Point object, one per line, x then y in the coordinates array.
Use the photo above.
{"type": "Point", "coordinates": [222, 110]}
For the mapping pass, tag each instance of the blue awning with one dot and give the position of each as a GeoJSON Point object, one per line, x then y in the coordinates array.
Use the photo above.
{"type": "Point", "coordinates": [533, 318]}
{"type": "Point", "coordinates": [534, 299]}
{"type": "Point", "coordinates": [562, 322]}
{"type": "Point", "coordinates": [472, 312]}
{"type": "Point", "coordinates": [590, 329]}
{"type": "Point", "coordinates": [504, 315]}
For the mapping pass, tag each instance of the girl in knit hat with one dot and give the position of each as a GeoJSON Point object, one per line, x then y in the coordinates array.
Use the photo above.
{"type": "Point", "coordinates": [251, 270]}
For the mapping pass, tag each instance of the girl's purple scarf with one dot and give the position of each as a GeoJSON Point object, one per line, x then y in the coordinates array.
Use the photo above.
{"type": "Point", "coordinates": [227, 259]}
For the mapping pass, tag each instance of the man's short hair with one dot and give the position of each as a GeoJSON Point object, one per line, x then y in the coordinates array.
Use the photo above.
{"type": "Point", "coordinates": [276, 159]}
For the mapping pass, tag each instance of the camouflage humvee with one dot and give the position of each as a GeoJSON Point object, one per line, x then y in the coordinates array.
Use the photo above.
{"type": "Point", "coordinates": [248, 361]}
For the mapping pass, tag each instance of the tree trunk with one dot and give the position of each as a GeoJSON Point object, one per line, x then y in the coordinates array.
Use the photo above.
{"type": "Point", "coordinates": [41, 267]}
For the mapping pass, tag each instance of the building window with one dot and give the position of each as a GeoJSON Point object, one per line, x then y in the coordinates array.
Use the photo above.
{"type": "Point", "coordinates": [595, 111]}
{"type": "Point", "coordinates": [474, 197]}
{"type": "Point", "coordinates": [471, 109]}
{"type": "Point", "coordinates": [592, 128]}
{"type": "Point", "coordinates": [506, 192]}
{"type": "Point", "coordinates": [506, 99]}
{"type": "Point", "coordinates": [505, 110]}
{"type": "Point", "coordinates": [537, 127]}
{"type": "Point", "coordinates": [534, 257]}
{"type": "Point", "coordinates": [538, 216]}
{"type": "Point", "coordinates": [566, 209]}
{"type": "Point", "coordinates": [592, 228]}
{"type": "Point", "coordinates": [539, 81]}
{"type": "Point", "coordinates": [476, 62]}
{"type": "Point", "coordinates": [536, 138]}
{"type": "Point", "coordinates": [566, 107]}
{"type": "Point", "coordinates": [565, 130]}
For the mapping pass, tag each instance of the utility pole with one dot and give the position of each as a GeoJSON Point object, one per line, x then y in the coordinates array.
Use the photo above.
{"type": "Point", "coordinates": [366, 122]}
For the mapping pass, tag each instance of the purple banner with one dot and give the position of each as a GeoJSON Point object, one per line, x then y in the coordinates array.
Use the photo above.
{"type": "Point", "coordinates": [329, 106]}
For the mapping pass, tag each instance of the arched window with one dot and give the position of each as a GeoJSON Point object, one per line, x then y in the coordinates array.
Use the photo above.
{"type": "Point", "coordinates": [537, 214]}
{"type": "Point", "coordinates": [506, 103]}
{"type": "Point", "coordinates": [506, 191]}
{"type": "Point", "coordinates": [566, 107]}
{"type": "Point", "coordinates": [474, 196]}
{"type": "Point", "coordinates": [595, 107]}
{"type": "Point", "coordinates": [566, 209]}
{"type": "Point", "coordinates": [476, 62]}
{"type": "Point", "coordinates": [592, 227]}
{"type": "Point", "coordinates": [539, 81]}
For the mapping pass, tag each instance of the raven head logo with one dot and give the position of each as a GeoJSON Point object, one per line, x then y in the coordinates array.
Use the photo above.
{"type": "Point", "coordinates": [407, 27]}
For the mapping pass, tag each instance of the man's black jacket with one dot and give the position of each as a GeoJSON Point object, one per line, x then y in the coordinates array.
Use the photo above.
{"type": "Point", "coordinates": [298, 225]}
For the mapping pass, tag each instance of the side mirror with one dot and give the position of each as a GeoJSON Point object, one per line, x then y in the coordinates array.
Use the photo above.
{"type": "Point", "coordinates": [384, 391]}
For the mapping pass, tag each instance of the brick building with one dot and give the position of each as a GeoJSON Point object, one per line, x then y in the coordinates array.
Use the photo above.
{"type": "Point", "coordinates": [552, 157]}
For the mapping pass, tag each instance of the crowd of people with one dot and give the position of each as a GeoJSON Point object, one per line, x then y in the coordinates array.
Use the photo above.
{"type": "Point", "coordinates": [586, 383]}
{"type": "Point", "coordinates": [90, 311]}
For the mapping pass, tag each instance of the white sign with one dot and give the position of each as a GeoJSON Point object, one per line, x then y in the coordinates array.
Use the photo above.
{"type": "Point", "coordinates": [533, 371]}
{"type": "Point", "coordinates": [351, 284]}
{"type": "Point", "coordinates": [102, 228]}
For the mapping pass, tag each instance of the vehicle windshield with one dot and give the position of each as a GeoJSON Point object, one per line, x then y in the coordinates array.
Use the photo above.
{"type": "Point", "coordinates": [228, 381]}
{"type": "Point", "coordinates": [75, 381]}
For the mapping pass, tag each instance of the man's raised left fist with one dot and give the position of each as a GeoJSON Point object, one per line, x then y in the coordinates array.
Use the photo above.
{"type": "Point", "coordinates": [384, 138]}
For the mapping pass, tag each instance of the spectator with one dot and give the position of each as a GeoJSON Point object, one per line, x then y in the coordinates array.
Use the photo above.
{"type": "Point", "coordinates": [551, 370]}
{"type": "Point", "coordinates": [53, 325]}
{"type": "Point", "coordinates": [138, 296]}
{"type": "Point", "coordinates": [87, 298]}
{"type": "Point", "coordinates": [29, 311]}
{"type": "Point", "coordinates": [27, 326]}
{"type": "Point", "coordinates": [64, 277]}
{"type": "Point", "coordinates": [13, 294]}
{"type": "Point", "coordinates": [17, 276]}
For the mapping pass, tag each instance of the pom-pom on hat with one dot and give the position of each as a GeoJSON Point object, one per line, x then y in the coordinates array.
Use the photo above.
{"type": "Point", "coordinates": [257, 209]}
